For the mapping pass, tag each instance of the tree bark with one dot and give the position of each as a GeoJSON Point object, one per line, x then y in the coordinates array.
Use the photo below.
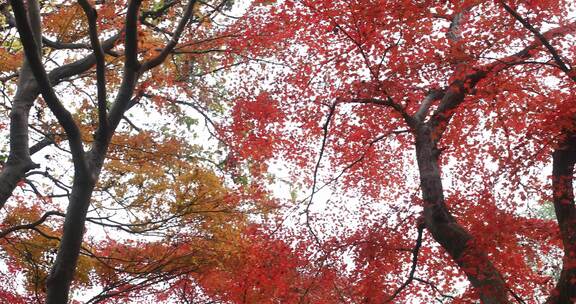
{"type": "Point", "coordinates": [87, 167]}
{"type": "Point", "coordinates": [19, 161]}
{"type": "Point", "coordinates": [563, 160]}
{"type": "Point", "coordinates": [454, 238]}
{"type": "Point", "coordinates": [62, 272]}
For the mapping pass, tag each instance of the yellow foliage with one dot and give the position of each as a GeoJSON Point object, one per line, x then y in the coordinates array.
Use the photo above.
{"type": "Point", "coordinates": [9, 62]}
{"type": "Point", "coordinates": [83, 268]}
{"type": "Point", "coordinates": [158, 178]}
{"type": "Point", "coordinates": [149, 44]}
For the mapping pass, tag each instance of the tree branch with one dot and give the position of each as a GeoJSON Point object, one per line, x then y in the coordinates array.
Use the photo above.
{"type": "Point", "coordinates": [129, 79]}
{"type": "Point", "coordinates": [559, 61]}
{"type": "Point", "coordinates": [57, 45]}
{"type": "Point", "coordinates": [173, 41]}
{"type": "Point", "coordinates": [388, 102]}
{"type": "Point", "coordinates": [92, 17]}
{"type": "Point", "coordinates": [19, 161]}
{"type": "Point", "coordinates": [434, 287]}
{"type": "Point", "coordinates": [41, 145]}
{"type": "Point", "coordinates": [62, 115]}
{"type": "Point", "coordinates": [458, 89]}
{"type": "Point", "coordinates": [415, 252]}
{"type": "Point", "coordinates": [325, 129]}
{"type": "Point", "coordinates": [131, 37]}
{"type": "Point", "coordinates": [81, 65]}
{"type": "Point", "coordinates": [41, 220]}
{"type": "Point", "coordinates": [432, 96]}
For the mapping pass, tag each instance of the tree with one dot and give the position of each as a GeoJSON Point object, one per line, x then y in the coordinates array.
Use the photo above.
{"type": "Point", "coordinates": [458, 91]}
{"type": "Point", "coordinates": [563, 161]}
{"type": "Point", "coordinates": [147, 181]}
{"type": "Point", "coordinates": [430, 125]}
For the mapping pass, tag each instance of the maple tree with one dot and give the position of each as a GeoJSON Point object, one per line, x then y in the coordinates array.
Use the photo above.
{"type": "Point", "coordinates": [115, 198]}
{"type": "Point", "coordinates": [431, 125]}
{"type": "Point", "coordinates": [477, 97]}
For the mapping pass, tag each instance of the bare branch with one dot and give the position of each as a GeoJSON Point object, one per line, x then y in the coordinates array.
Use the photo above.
{"type": "Point", "coordinates": [357, 160]}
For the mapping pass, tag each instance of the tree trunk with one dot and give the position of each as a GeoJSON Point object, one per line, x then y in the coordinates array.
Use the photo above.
{"type": "Point", "coordinates": [19, 161]}
{"type": "Point", "coordinates": [458, 242]}
{"type": "Point", "coordinates": [563, 160]}
{"type": "Point", "coordinates": [62, 273]}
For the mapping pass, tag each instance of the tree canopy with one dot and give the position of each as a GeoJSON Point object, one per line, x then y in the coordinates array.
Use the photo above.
{"type": "Point", "coordinates": [289, 151]}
